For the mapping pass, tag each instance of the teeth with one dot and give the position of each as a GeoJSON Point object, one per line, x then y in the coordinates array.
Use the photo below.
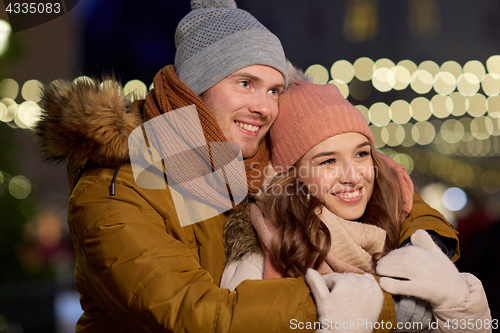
{"type": "Point", "coordinates": [349, 195]}
{"type": "Point", "coordinates": [247, 127]}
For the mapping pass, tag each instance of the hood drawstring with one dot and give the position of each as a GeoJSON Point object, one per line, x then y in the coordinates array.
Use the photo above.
{"type": "Point", "coordinates": [112, 186]}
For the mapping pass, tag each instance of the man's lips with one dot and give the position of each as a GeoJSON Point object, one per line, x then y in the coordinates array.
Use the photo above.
{"type": "Point", "coordinates": [252, 127]}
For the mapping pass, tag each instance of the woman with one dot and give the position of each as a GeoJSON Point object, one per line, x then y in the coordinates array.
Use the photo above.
{"type": "Point", "coordinates": [330, 175]}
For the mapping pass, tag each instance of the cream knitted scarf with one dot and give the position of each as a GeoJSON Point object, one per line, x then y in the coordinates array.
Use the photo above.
{"type": "Point", "coordinates": [354, 245]}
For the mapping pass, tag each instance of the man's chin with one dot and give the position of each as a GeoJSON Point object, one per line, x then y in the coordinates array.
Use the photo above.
{"type": "Point", "coordinates": [249, 151]}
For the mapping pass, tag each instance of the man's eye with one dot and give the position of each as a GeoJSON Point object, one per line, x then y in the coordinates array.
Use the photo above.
{"type": "Point", "coordinates": [273, 92]}
{"type": "Point", "coordinates": [245, 84]}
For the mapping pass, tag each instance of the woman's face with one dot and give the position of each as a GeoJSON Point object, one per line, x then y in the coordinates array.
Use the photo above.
{"type": "Point", "coordinates": [339, 172]}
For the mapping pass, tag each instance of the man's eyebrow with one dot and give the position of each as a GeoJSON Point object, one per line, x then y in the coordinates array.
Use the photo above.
{"type": "Point", "coordinates": [330, 153]}
{"type": "Point", "coordinates": [256, 79]}
{"type": "Point", "coordinates": [246, 75]}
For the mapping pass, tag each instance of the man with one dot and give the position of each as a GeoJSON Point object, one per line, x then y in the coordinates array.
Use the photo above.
{"type": "Point", "coordinates": [137, 268]}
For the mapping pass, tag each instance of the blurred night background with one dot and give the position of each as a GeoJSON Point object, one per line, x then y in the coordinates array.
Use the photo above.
{"type": "Point", "coordinates": [425, 73]}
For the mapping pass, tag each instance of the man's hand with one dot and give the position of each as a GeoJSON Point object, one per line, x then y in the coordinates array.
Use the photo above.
{"type": "Point", "coordinates": [345, 298]}
{"type": "Point", "coordinates": [424, 271]}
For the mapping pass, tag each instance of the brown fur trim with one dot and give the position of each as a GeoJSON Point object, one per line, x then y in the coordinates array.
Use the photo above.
{"type": "Point", "coordinates": [240, 236]}
{"type": "Point", "coordinates": [85, 121]}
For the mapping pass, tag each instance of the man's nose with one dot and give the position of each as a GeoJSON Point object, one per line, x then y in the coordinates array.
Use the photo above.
{"type": "Point", "coordinates": [262, 104]}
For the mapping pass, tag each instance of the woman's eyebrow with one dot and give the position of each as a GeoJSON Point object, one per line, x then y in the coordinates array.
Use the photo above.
{"type": "Point", "coordinates": [329, 153]}
{"type": "Point", "coordinates": [366, 143]}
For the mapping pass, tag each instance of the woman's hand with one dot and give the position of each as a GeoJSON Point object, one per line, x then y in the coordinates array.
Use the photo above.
{"type": "Point", "coordinates": [424, 271]}
{"type": "Point", "coordinates": [345, 302]}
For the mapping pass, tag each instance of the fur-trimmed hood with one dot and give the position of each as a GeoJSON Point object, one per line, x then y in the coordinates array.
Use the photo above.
{"type": "Point", "coordinates": [86, 121]}
{"type": "Point", "coordinates": [240, 236]}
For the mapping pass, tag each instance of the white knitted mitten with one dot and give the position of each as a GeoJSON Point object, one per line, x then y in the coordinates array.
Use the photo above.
{"type": "Point", "coordinates": [423, 271]}
{"type": "Point", "coordinates": [345, 302]}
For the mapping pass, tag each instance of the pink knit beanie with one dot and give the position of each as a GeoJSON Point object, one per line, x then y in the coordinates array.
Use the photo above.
{"type": "Point", "coordinates": [311, 113]}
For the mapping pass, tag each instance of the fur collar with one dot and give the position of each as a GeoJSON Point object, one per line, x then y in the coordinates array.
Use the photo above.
{"type": "Point", "coordinates": [240, 236]}
{"type": "Point", "coordinates": [86, 122]}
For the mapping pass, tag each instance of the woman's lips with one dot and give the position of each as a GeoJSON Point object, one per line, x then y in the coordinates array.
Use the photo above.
{"type": "Point", "coordinates": [350, 196]}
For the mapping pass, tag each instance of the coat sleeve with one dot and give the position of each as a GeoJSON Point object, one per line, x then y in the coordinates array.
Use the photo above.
{"type": "Point", "coordinates": [422, 216]}
{"type": "Point", "coordinates": [147, 280]}
{"type": "Point", "coordinates": [472, 315]}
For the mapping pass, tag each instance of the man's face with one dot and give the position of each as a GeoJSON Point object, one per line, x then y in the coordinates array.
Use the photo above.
{"type": "Point", "coordinates": [245, 105]}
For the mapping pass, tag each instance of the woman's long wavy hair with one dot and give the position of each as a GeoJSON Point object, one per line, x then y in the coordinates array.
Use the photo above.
{"type": "Point", "coordinates": [302, 240]}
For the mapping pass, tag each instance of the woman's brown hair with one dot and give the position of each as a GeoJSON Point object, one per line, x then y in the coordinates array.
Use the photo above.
{"type": "Point", "coordinates": [302, 240]}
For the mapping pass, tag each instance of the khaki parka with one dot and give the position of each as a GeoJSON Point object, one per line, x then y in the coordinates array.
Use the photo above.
{"type": "Point", "coordinates": [137, 269]}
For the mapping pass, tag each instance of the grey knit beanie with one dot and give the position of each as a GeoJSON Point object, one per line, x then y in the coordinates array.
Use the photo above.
{"type": "Point", "coordinates": [217, 39]}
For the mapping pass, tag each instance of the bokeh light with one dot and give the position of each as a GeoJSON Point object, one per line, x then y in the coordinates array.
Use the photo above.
{"type": "Point", "coordinates": [452, 67]}
{"type": "Point", "coordinates": [379, 114]}
{"type": "Point", "coordinates": [475, 67]}
{"type": "Point", "coordinates": [421, 109]}
{"type": "Point", "coordinates": [27, 115]}
{"type": "Point", "coordinates": [491, 84]}
{"type": "Point", "coordinates": [19, 187]}
{"type": "Point", "coordinates": [363, 68]}
{"type": "Point", "coordinates": [401, 111]}
{"type": "Point", "coordinates": [452, 131]}
{"type": "Point", "coordinates": [83, 79]}
{"type": "Point", "coordinates": [135, 89]}
{"type": "Point", "coordinates": [5, 32]}
{"type": "Point", "coordinates": [477, 105]}
{"type": "Point", "coordinates": [409, 65]}
{"type": "Point", "coordinates": [408, 140]}
{"type": "Point", "coordinates": [364, 111]}
{"type": "Point", "coordinates": [377, 136]}
{"type": "Point", "coordinates": [32, 90]}
{"type": "Point", "coordinates": [342, 70]}
{"type": "Point", "coordinates": [11, 109]}
{"type": "Point", "coordinates": [481, 127]}
{"type": "Point", "coordinates": [318, 73]}
{"type": "Point", "coordinates": [343, 87]}
{"type": "Point", "coordinates": [494, 106]}
{"type": "Point", "coordinates": [445, 83]}
{"type": "Point", "coordinates": [429, 66]}
{"type": "Point", "coordinates": [383, 79]}
{"type": "Point", "coordinates": [454, 199]}
{"type": "Point", "coordinates": [403, 77]}
{"type": "Point", "coordinates": [393, 134]}
{"type": "Point", "coordinates": [421, 81]}
{"type": "Point", "coordinates": [9, 88]}
{"type": "Point", "coordinates": [423, 133]}
{"type": "Point", "coordinates": [468, 84]}
{"type": "Point", "coordinates": [493, 64]}
{"type": "Point", "coordinates": [383, 63]}
{"type": "Point", "coordinates": [441, 106]}
{"type": "Point", "coordinates": [459, 104]}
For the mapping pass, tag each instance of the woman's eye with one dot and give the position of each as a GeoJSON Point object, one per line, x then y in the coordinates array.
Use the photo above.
{"type": "Point", "coordinates": [329, 161]}
{"type": "Point", "coordinates": [364, 153]}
